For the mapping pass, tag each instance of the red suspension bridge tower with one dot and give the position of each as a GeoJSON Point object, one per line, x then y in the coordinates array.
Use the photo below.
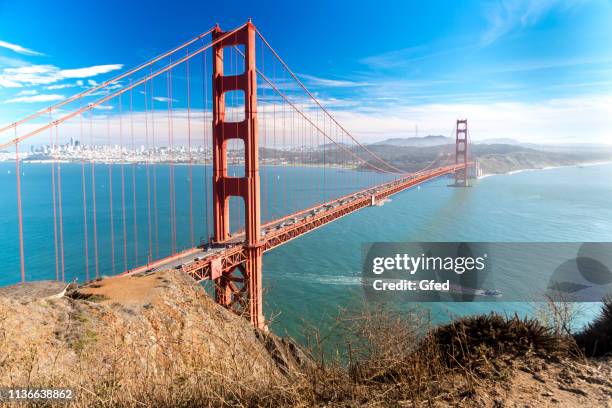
{"type": "Point", "coordinates": [461, 153]}
{"type": "Point", "coordinates": [240, 288]}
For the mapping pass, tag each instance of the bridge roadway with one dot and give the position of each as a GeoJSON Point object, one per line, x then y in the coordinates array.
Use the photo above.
{"type": "Point", "coordinates": [210, 262]}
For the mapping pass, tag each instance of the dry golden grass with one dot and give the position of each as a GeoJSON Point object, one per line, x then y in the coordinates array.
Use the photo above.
{"type": "Point", "coordinates": [173, 347]}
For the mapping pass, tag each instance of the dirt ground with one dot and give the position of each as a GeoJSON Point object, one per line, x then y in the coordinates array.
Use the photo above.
{"type": "Point", "coordinates": [538, 383]}
{"type": "Point", "coordinates": [126, 289]}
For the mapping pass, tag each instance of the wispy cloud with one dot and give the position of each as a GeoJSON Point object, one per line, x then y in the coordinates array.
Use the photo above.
{"type": "Point", "coordinates": [89, 71]}
{"type": "Point", "coordinates": [550, 121]}
{"type": "Point", "coordinates": [27, 92]}
{"type": "Point", "coordinates": [501, 18]}
{"type": "Point", "coordinates": [314, 81]}
{"type": "Point", "coordinates": [60, 86]}
{"type": "Point", "coordinates": [18, 48]}
{"type": "Point", "coordinates": [413, 56]}
{"type": "Point", "coordinates": [553, 120]}
{"type": "Point", "coordinates": [11, 62]}
{"type": "Point", "coordinates": [16, 77]}
{"type": "Point", "coordinates": [104, 107]}
{"type": "Point", "coordinates": [536, 64]}
{"type": "Point", "coordinates": [36, 98]}
{"type": "Point", "coordinates": [507, 15]}
{"type": "Point", "coordinates": [164, 99]}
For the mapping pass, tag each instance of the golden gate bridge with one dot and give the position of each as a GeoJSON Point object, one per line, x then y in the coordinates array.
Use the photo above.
{"type": "Point", "coordinates": [224, 104]}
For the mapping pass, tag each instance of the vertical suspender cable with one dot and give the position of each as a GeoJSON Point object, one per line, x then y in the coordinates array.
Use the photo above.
{"type": "Point", "coordinates": [93, 197]}
{"type": "Point", "coordinates": [206, 145]}
{"type": "Point", "coordinates": [61, 217]}
{"type": "Point", "coordinates": [171, 164]}
{"type": "Point", "coordinates": [155, 213]}
{"type": "Point", "coordinates": [19, 212]}
{"type": "Point", "coordinates": [83, 187]}
{"type": "Point", "coordinates": [148, 153]}
{"type": "Point", "coordinates": [123, 216]}
{"type": "Point", "coordinates": [265, 179]}
{"type": "Point", "coordinates": [110, 194]}
{"type": "Point", "coordinates": [54, 194]}
{"type": "Point", "coordinates": [191, 232]}
{"type": "Point", "coordinates": [134, 200]}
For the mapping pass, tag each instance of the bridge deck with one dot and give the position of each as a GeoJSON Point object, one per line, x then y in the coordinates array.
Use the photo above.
{"type": "Point", "coordinates": [207, 263]}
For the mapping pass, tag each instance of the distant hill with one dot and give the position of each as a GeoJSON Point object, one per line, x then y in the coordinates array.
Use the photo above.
{"type": "Point", "coordinates": [431, 140]}
{"type": "Point", "coordinates": [498, 140]}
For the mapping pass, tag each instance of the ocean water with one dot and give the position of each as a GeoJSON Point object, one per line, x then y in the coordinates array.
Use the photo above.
{"type": "Point", "coordinates": [310, 278]}
{"type": "Point", "coordinates": [307, 279]}
{"type": "Point", "coordinates": [134, 221]}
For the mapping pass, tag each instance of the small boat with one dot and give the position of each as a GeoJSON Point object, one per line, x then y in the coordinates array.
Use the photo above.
{"type": "Point", "coordinates": [488, 292]}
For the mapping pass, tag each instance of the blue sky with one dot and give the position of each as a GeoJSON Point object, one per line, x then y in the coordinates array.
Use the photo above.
{"type": "Point", "coordinates": [535, 71]}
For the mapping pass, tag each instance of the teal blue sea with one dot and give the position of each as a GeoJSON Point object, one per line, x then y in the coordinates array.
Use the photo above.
{"type": "Point", "coordinates": [309, 278]}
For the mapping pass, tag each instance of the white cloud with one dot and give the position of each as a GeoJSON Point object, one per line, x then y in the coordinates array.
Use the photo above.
{"type": "Point", "coordinates": [11, 62]}
{"type": "Point", "coordinates": [507, 15]}
{"type": "Point", "coordinates": [18, 48]}
{"type": "Point", "coordinates": [332, 83]}
{"type": "Point", "coordinates": [554, 120]}
{"type": "Point", "coordinates": [16, 77]}
{"type": "Point", "coordinates": [164, 99]}
{"type": "Point", "coordinates": [89, 71]}
{"type": "Point", "coordinates": [114, 85]}
{"type": "Point", "coordinates": [27, 92]}
{"type": "Point", "coordinates": [104, 107]}
{"type": "Point", "coordinates": [60, 86]}
{"type": "Point", "coordinates": [30, 74]}
{"type": "Point", "coordinates": [551, 121]}
{"type": "Point", "coordinates": [7, 83]}
{"type": "Point", "coordinates": [36, 98]}
{"type": "Point", "coordinates": [407, 57]}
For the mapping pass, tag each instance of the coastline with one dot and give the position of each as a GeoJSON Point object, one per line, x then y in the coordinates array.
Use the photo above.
{"type": "Point", "coordinates": [587, 164]}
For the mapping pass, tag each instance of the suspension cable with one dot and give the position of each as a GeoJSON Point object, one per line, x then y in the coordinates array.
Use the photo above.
{"type": "Point", "coordinates": [105, 83]}
{"type": "Point", "coordinates": [322, 131]}
{"type": "Point", "coordinates": [121, 91]}
{"type": "Point", "coordinates": [322, 107]}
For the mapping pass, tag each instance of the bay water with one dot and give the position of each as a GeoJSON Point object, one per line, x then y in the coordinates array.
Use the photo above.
{"type": "Point", "coordinates": [310, 278]}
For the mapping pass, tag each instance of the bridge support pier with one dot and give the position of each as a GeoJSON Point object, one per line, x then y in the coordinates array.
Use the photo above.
{"type": "Point", "coordinates": [253, 268]}
{"type": "Point", "coordinates": [461, 153]}
{"type": "Point", "coordinates": [240, 287]}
